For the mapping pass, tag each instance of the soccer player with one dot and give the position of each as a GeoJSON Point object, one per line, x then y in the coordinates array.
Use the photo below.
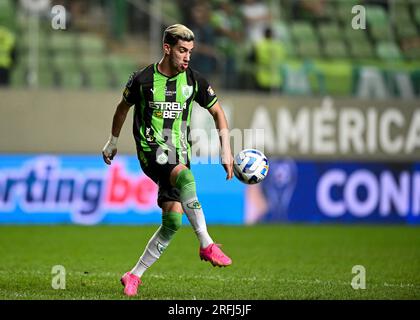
{"type": "Point", "coordinates": [163, 94]}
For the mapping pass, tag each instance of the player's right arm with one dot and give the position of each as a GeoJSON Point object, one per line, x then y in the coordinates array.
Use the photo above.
{"type": "Point", "coordinates": [110, 148]}
{"type": "Point", "coordinates": [130, 95]}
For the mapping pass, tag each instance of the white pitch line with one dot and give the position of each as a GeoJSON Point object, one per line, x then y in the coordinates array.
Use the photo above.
{"type": "Point", "coordinates": [226, 279]}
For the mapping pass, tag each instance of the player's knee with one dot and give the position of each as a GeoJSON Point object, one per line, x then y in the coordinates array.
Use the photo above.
{"type": "Point", "coordinates": [185, 176]}
{"type": "Point", "coordinates": [172, 221]}
{"type": "Point", "coordinates": [185, 181]}
{"type": "Point", "coordinates": [175, 172]}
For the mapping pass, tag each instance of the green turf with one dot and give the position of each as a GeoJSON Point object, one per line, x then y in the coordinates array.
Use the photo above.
{"type": "Point", "coordinates": [269, 262]}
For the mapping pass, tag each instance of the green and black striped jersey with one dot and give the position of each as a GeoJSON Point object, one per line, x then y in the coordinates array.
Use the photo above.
{"type": "Point", "coordinates": [163, 108]}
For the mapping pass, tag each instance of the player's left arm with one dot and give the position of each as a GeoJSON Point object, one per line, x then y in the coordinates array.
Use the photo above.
{"type": "Point", "coordinates": [222, 126]}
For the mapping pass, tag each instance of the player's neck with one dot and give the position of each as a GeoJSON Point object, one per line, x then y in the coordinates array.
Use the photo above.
{"type": "Point", "coordinates": [165, 68]}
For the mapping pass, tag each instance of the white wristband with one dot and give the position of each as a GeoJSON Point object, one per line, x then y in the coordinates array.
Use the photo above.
{"type": "Point", "coordinates": [113, 140]}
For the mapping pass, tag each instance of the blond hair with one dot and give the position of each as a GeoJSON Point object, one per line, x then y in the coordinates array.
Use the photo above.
{"type": "Point", "coordinates": [176, 32]}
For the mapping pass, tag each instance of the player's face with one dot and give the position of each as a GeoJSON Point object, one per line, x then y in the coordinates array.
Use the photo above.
{"type": "Point", "coordinates": [180, 55]}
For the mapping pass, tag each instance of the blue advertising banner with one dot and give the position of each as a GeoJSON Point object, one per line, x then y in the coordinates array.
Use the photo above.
{"type": "Point", "coordinates": [82, 189]}
{"type": "Point", "coordinates": [308, 191]}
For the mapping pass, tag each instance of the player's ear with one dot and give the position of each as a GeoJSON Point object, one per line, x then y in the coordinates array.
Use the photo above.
{"type": "Point", "coordinates": [166, 48]}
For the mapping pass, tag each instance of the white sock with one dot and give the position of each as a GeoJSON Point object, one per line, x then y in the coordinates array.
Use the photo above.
{"type": "Point", "coordinates": [155, 247]}
{"type": "Point", "coordinates": [197, 220]}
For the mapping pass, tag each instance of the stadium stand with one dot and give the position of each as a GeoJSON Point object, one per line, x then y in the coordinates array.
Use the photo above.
{"type": "Point", "coordinates": [389, 51]}
{"type": "Point", "coordinates": [7, 14]}
{"type": "Point", "coordinates": [325, 40]}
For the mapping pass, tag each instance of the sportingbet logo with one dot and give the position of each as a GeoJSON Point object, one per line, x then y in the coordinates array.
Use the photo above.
{"type": "Point", "coordinates": [44, 186]}
{"type": "Point", "coordinates": [167, 110]}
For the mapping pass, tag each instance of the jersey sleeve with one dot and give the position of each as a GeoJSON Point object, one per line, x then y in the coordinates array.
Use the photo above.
{"type": "Point", "coordinates": [131, 93]}
{"type": "Point", "coordinates": [205, 96]}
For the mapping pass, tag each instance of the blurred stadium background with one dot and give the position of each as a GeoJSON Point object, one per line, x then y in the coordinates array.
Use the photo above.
{"type": "Point", "coordinates": [311, 40]}
{"type": "Point", "coordinates": [339, 106]}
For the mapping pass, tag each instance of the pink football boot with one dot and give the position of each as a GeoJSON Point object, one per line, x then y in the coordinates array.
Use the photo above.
{"type": "Point", "coordinates": [130, 283]}
{"type": "Point", "coordinates": [213, 254]}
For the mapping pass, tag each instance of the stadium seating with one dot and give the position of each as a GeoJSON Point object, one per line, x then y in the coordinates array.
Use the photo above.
{"type": "Point", "coordinates": [417, 14]}
{"type": "Point", "coordinates": [388, 51]}
{"type": "Point", "coordinates": [25, 42]}
{"type": "Point", "coordinates": [7, 14]}
{"type": "Point", "coordinates": [71, 79]}
{"type": "Point", "coordinates": [282, 32]}
{"type": "Point", "coordinates": [412, 53]}
{"type": "Point", "coordinates": [335, 49]}
{"type": "Point", "coordinates": [305, 39]}
{"type": "Point", "coordinates": [99, 79]}
{"type": "Point", "coordinates": [18, 77]}
{"type": "Point", "coordinates": [46, 78]}
{"type": "Point", "coordinates": [62, 42]}
{"type": "Point", "coordinates": [377, 16]}
{"type": "Point", "coordinates": [359, 44]}
{"type": "Point", "coordinates": [406, 30]}
{"type": "Point", "coordinates": [344, 9]}
{"type": "Point", "coordinates": [378, 23]}
{"type": "Point", "coordinates": [355, 35]}
{"type": "Point", "coordinates": [330, 31]}
{"type": "Point", "coordinates": [120, 67]}
{"type": "Point", "coordinates": [401, 13]}
{"type": "Point", "coordinates": [322, 46]}
{"type": "Point", "coordinates": [90, 44]}
{"type": "Point", "coordinates": [361, 50]}
{"type": "Point", "coordinates": [309, 49]}
{"type": "Point", "coordinates": [64, 62]}
{"type": "Point", "coordinates": [91, 62]}
{"type": "Point", "coordinates": [303, 31]}
{"type": "Point", "coordinates": [116, 62]}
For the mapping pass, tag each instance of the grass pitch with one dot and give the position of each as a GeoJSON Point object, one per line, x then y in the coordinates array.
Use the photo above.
{"type": "Point", "coordinates": [269, 262]}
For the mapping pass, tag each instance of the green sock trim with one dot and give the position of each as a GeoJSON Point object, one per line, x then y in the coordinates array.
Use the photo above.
{"type": "Point", "coordinates": [185, 182]}
{"type": "Point", "coordinates": [171, 222]}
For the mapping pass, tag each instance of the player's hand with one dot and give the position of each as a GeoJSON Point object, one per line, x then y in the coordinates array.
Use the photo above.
{"type": "Point", "coordinates": [110, 150]}
{"type": "Point", "coordinates": [227, 162]}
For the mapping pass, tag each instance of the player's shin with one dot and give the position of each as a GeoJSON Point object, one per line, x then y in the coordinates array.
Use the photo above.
{"type": "Point", "coordinates": [186, 184]}
{"type": "Point", "coordinates": [171, 222]}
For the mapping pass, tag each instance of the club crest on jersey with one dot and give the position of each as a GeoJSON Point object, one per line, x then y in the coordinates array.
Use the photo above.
{"type": "Point", "coordinates": [162, 158]}
{"type": "Point", "coordinates": [187, 91]}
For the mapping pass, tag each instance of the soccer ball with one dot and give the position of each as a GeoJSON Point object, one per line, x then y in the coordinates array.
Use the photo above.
{"type": "Point", "coordinates": [250, 166]}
